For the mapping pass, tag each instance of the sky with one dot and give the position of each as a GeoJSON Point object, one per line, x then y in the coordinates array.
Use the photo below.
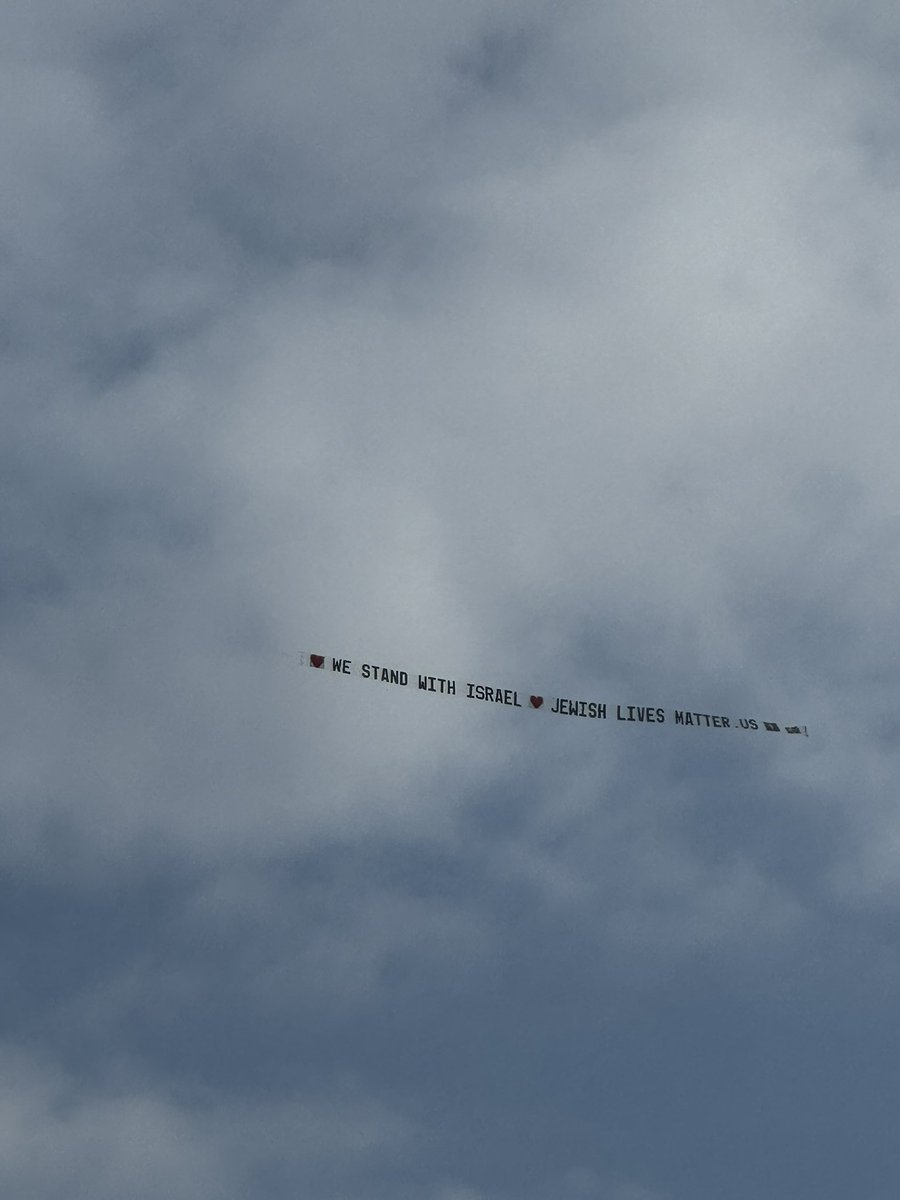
{"type": "Point", "coordinates": [550, 346]}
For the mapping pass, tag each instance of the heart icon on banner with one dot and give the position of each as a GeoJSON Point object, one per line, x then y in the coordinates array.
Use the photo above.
{"type": "Point", "coordinates": [537, 701]}
{"type": "Point", "coordinates": [317, 660]}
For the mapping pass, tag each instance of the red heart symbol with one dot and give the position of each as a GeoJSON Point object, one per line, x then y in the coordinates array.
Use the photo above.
{"type": "Point", "coordinates": [317, 660]}
{"type": "Point", "coordinates": [537, 701]}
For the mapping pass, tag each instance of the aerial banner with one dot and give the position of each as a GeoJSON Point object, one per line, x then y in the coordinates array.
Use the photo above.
{"type": "Point", "coordinates": [539, 702]}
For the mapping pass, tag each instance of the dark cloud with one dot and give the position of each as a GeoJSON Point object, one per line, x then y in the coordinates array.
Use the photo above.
{"type": "Point", "coordinates": [528, 343]}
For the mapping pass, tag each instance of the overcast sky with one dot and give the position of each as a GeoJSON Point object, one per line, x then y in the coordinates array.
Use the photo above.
{"type": "Point", "coordinates": [547, 345]}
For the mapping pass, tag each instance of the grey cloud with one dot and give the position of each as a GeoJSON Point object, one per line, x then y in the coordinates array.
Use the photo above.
{"type": "Point", "coordinates": [528, 342]}
{"type": "Point", "coordinates": [60, 1140]}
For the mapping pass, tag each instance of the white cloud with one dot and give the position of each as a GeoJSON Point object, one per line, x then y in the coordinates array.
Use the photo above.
{"type": "Point", "coordinates": [61, 1138]}
{"type": "Point", "coordinates": [519, 342]}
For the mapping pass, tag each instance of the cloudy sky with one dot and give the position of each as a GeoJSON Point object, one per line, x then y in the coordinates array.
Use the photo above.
{"type": "Point", "coordinates": [552, 345]}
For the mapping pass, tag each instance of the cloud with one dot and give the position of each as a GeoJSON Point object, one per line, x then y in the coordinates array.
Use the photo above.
{"type": "Point", "coordinates": [529, 343]}
{"type": "Point", "coordinates": [122, 1137]}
